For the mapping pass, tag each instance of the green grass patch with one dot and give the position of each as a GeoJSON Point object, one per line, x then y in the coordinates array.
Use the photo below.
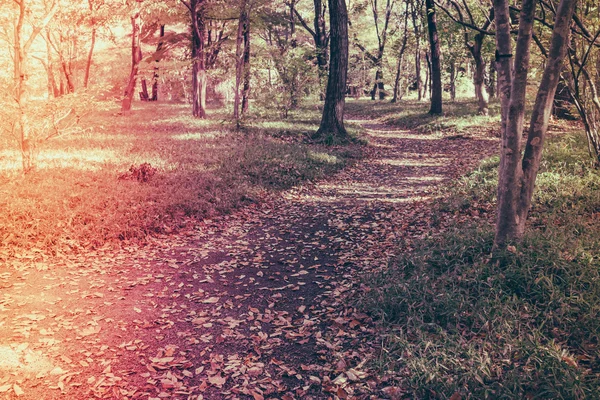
{"type": "Point", "coordinates": [525, 325]}
{"type": "Point", "coordinates": [459, 117]}
{"type": "Point", "coordinates": [127, 177]}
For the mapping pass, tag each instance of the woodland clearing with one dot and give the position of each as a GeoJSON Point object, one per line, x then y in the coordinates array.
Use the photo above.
{"type": "Point", "coordinates": [255, 303]}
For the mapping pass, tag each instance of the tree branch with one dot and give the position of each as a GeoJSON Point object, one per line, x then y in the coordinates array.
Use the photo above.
{"type": "Point", "coordinates": [304, 24]}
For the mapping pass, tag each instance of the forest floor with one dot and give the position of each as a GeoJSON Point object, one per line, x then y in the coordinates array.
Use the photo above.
{"type": "Point", "coordinates": [248, 305]}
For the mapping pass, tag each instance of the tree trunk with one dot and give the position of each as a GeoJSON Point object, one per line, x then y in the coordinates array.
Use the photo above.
{"type": "Point", "coordinates": [378, 86]}
{"type": "Point", "coordinates": [401, 58]}
{"type": "Point", "coordinates": [332, 121]}
{"type": "Point", "coordinates": [136, 57]}
{"type": "Point", "coordinates": [436, 69]}
{"type": "Point", "coordinates": [88, 65]}
{"type": "Point", "coordinates": [491, 86]}
{"type": "Point", "coordinates": [321, 39]}
{"type": "Point", "coordinates": [155, 76]}
{"type": "Point", "coordinates": [246, 65]}
{"type": "Point", "coordinates": [21, 49]}
{"type": "Point", "coordinates": [517, 175]}
{"type": "Point", "coordinates": [242, 76]}
{"type": "Point", "coordinates": [199, 78]}
{"type": "Point", "coordinates": [453, 81]}
{"type": "Point", "coordinates": [479, 75]}
{"type": "Point", "coordinates": [144, 96]}
{"type": "Point", "coordinates": [418, 73]}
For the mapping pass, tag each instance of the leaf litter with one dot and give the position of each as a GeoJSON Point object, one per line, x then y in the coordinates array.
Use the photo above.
{"type": "Point", "coordinates": [253, 305]}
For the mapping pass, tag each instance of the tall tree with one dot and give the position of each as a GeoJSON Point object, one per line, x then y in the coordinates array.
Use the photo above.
{"type": "Point", "coordinates": [332, 122]}
{"type": "Point", "coordinates": [197, 10]}
{"type": "Point", "coordinates": [518, 173]}
{"type": "Point", "coordinates": [436, 68]}
{"type": "Point", "coordinates": [320, 38]}
{"type": "Point", "coordinates": [21, 48]}
{"type": "Point", "coordinates": [475, 46]}
{"type": "Point", "coordinates": [242, 75]}
{"type": "Point", "coordinates": [401, 51]}
{"type": "Point", "coordinates": [381, 29]}
{"type": "Point", "coordinates": [136, 58]}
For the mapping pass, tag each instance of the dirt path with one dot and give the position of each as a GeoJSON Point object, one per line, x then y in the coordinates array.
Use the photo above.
{"type": "Point", "coordinates": [252, 305]}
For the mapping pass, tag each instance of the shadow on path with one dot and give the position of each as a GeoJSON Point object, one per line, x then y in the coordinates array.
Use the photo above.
{"type": "Point", "coordinates": [251, 305]}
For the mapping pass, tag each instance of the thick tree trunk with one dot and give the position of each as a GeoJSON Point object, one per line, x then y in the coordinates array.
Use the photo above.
{"type": "Point", "coordinates": [436, 68]}
{"type": "Point", "coordinates": [136, 57]}
{"type": "Point", "coordinates": [332, 122]}
{"type": "Point", "coordinates": [517, 175]}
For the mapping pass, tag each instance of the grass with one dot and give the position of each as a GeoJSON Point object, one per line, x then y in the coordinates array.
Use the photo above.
{"type": "Point", "coordinates": [458, 117]}
{"type": "Point", "coordinates": [89, 190]}
{"type": "Point", "coordinates": [462, 324]}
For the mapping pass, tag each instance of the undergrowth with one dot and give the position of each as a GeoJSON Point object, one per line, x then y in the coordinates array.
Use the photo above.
{"type": "Point", "coordinates": [523, 325]}
{"type": "Point", "coordinates": [124, 178]}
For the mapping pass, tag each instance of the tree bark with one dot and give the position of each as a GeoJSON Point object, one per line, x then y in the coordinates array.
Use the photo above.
{"type": "Point", "coordinates": [239, 55]}
{"type": "Point", "coordinates": [199, 78]}
{"type": "Point", "coordinates": [453, 81]}
{"type": "Point", "coordinates": [332, 121]}
{"type": "Point", "coordinates": [136, 58]}
{"type": "Point", "coordinates": [491, 86]}
{"type": "Point", "coordinates": [88, 65]}
{"type": "Point", "coordinates": [246, 65]}
{"type": "Point", "coordinates": [21, 49]}
{"type": "Point", "coordinates": [517, 175]}
{"type": "Point", "coordinates": [321, 39]}
{"type": "Point", "coordinates": [155, 76]}
{"type": "Point", "coordinates": [479, 75]}
{"type": "Point", "coordinates": [436, 68]}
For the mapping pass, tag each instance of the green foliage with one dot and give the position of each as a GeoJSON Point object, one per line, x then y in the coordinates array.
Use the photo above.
{"type": "Point", "coordinates": [521, 325]}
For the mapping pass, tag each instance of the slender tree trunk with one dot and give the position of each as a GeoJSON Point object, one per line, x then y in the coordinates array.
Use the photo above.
{"type": "Point", "coordinates": [418, 74]}
{"type": "Point", "coordinates": [136, 57]}
{"type": "Point", "coordinates": [53, 89]}
{"type": "Point", "coordinates": [88, 65]}
{"type": "Point", "coordinates": [378, 86]}
{"type": "Point", "coordinates": [491, 87]}
{"type": "Point", "coordinates": [246, 65]}
{"type": "Point", "coordinates": [400, 58]}
{"type": "Point", "coordinates": [436, 69]}
{"type": "Point", "coordinates": [479, 75]}
{"type": "Point", "coordinates": [321, 45]}
{"type": "Point", "coordinates": [427, 84]}
{"type": "Point", "coordinates": [155, 76]}
{"type": "Point", "coordinates": [479, 80]}
{"type": "Point", "coordinates": [239, 62]}
{"type": "Point", "coordinates": [517, 175]}
{"type": "Point", "coordinates": [21, 48]}
{"type": "Point", "coordinates": [332, 122]}
{"type": "Point", "coordinates": [453, 81]}
{"type": "Point", "coordinates": [199, 78]}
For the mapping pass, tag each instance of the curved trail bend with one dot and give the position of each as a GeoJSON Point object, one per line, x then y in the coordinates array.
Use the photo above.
{"type": "Point", "coordinates": [251, 305]}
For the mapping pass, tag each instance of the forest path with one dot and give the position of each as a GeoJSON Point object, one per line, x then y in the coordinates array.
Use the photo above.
{"type": "Point", "coordinates": [251, 305]}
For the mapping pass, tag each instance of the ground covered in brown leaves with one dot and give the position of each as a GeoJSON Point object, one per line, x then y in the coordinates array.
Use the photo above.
{"type": "Point", "coordinates": [252, 305]}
